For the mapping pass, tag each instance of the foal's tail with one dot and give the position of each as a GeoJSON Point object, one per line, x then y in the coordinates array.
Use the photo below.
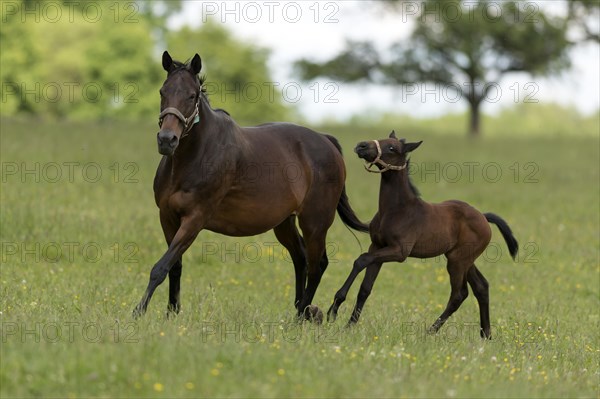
{"type": "Point", "coordinates": [511, 241]}
{"type": "Point", "coordinates": [344, 209]}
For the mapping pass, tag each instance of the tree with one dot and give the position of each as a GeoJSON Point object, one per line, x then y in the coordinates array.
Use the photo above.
{"type": "Point", "coordinates": [464, 46]}
{"type": "Point", "coordinates": [584, 16]}
{"type": "Point", "coordinates": [95, 60]}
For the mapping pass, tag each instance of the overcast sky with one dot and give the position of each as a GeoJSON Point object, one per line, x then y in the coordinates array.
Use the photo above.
{"type": "Point", "coordinates": [318, 30]}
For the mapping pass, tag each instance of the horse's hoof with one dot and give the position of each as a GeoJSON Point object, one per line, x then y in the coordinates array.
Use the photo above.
{"type": "Point", "coordinates": [331, 315]}
{"type": "Point", "coordinates": [171, 314]}
{"type": "Point", "coordinates": [314, 314]}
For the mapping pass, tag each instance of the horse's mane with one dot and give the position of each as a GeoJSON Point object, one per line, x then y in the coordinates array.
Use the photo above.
{"type": "Point", "coordinates": [178, 66]}
{"type": "Point", "coordinates": [412, 186]}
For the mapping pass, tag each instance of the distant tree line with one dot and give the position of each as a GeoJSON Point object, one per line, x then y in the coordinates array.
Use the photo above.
{"type": "Point", "coordinates": [465, 46]}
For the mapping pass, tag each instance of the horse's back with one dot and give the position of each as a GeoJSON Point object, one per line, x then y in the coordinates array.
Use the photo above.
{"type": "Point", "coordinates": [286, 144]}
{"type": "Point", "coordinates": [285, 132]}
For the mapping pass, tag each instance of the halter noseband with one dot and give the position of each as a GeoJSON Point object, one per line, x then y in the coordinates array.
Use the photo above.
{"type": "Point", "coordinates": [386, 166]}
{"type": "Point", "coordinates": [187, 122]}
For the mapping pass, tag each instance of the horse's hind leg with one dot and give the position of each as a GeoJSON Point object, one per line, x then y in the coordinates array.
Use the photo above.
{"type": "Point", "coordinates": [480, 288]}
{"type": "Point", "coordinates": [365, 290]}
{"type": "Point", "coordinates": [287, 234]}
{"type": "Point", "coordinates": [458, 293]}
{"type": "Point", "coordinates": [315, 248]}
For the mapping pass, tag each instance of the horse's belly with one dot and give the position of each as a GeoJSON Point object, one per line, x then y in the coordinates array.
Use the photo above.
{"type": "Point", "coordinates": [248, 220]}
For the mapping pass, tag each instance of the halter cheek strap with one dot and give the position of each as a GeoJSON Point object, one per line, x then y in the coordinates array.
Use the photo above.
{"type": "Point", "coordinates": [386, 166]}
{"type": "Point", "coordinates": [187, 122]}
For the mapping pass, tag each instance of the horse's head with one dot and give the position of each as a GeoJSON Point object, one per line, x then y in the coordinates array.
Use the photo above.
{"type": "Point", "coordinates": [386, 154]}
{"type": "Point", "coordinates": [179, 100]}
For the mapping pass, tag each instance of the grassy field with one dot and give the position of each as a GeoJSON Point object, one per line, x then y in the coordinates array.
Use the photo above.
{"type": "Point", "coordinates": [80, 232]}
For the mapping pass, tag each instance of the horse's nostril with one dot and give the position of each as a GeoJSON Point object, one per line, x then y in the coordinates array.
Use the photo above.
{"type": "Point", "coordinates": [167, 138]}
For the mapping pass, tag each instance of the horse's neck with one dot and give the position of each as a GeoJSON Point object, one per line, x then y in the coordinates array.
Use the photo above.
{"type": "Point", "coordinates": [395, 191]}
{"type": "Point", "coordinates": [209, 144]}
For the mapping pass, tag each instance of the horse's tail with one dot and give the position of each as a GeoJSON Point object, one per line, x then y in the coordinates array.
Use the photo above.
{"type": "Point", "coordinates": [344, 209]}
{"type": "Point", "coordinates": [511, 241]}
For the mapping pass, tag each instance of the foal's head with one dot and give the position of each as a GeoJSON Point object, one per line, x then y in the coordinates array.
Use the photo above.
{"type": "Point", "coordinates": [386, 154]}
{"type": "Point", "coordinates": [179, 101]}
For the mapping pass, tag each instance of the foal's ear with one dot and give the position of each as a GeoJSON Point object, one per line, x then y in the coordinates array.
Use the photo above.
{"type": "Point", "coordinates": [408, 147]}
{"type": "Point", "coordinates": [196, 64]}
{"type": "Point", "coordinates": [393, 135]}
{"type": "Point", "coordinates": [167, 61]}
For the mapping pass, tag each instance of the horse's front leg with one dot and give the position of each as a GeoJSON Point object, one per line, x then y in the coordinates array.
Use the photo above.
{"type": "Point", "coordinates": [174, 286]}
{"type": "Point", "coordinates": [375, 256]}
{"type": "Point", "coordinates": [187, 232]}
{"type": "Point", "coordinates": [170, 224]}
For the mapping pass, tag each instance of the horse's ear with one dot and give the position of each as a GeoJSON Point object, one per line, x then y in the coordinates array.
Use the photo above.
{"type": "Point", "coordinates": [196, 64]}
{"type": "Point", "coordinates": [393, 134]}
{"type": "Point", "coordinates": [167, 61]}
{"type": "Point", "coordinates": [408, 147]}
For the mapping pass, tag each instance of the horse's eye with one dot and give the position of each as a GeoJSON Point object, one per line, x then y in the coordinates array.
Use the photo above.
{"type": "Point", "coordinates": [391, 148]}
{"type": "Point", "coordinates": [192, 97]}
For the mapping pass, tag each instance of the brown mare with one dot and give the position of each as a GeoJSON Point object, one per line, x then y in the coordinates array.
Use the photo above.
{"type": "Point", "coordinates": [405, 225]}
{"type": "Point", "coordinates": [242, 181]}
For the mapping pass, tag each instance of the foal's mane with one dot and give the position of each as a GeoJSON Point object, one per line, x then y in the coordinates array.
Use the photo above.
{"type": "Point", "coordinates": [412, 186]}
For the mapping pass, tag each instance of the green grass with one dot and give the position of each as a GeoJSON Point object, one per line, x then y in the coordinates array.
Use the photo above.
{"type": "Point", "coordinates": [66, 325]}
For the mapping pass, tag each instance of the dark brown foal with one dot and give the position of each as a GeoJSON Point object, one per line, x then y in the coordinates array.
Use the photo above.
{"type": "Point", "coordinates": [405, 225]}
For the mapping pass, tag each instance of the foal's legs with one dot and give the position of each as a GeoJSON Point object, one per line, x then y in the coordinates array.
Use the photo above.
{"type": "Point", "coordinates": [365, 290]}
{"type": "Point", "coordinates": [480, 288]}
{"type": "Point", "coordinates": [287, 234]}
{"type": "Point", "coordinates": [458, 293]}
{"type": "Point", "coordinates": [374, 256]}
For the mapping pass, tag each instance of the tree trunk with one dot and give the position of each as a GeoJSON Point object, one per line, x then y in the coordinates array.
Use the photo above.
{"type": "Point", "coordinates": [474, 120]}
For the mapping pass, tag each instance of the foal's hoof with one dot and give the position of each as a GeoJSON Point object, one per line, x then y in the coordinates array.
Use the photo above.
{"type": "Point", "coordinates": [331, 315]}
{"type": "Point", "coordinates": [314, 314]}
{"type": "Point", "coordinates": [432, 330]}
{"type": "Point", "coordinates": [137, 313]}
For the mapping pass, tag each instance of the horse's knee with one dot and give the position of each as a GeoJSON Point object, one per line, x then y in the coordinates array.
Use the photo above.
{"type": "Point", "coordinates": [324, 263]}
{"type": "Point", "coordinates": [339, 297]}
{"type": "Point", "coordinates": [463, 294]}
{"type": "Point", "coordinates": [484, 284]}
{"type": "Point", "coordinates": [458, 298]}
{"type": "Point", "coordinates": [158, 275]}
{"type": "Point", "coordinates": [361, 262]}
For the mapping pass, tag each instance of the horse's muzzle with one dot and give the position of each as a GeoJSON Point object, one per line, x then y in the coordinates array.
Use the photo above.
{"type": "Point", "coordinates": [167, 142]}
{"type": "Point", "coordinates": [363, 150]}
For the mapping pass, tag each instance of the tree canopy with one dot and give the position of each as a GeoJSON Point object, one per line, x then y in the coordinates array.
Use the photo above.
{"type": "Point", "coordinates": [465, 46]}
{"type": "Point", "coordinates": [89, 59]}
